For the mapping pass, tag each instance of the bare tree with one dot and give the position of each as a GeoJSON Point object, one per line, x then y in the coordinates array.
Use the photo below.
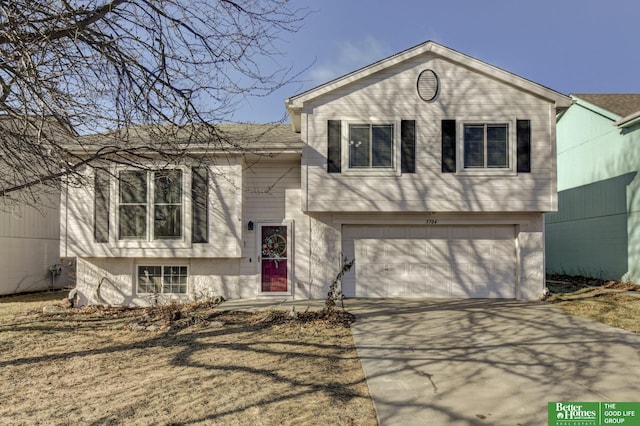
{"type": "Point", "coordinates": [71, 68]}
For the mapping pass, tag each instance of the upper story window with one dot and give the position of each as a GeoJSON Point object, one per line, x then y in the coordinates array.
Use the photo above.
{"type": "Point", "coordinates": [371, 146]}
{"type": "Point", "coordinates": [486, 146]}
{"type": "Point", "coordinates": [384, 148]}
{"type": "Point", "coordinates": [500, 147]}
{"type": "Point", "coordinates": [150, 205]}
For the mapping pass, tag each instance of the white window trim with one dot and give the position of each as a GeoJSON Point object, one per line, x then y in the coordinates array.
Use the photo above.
{"type": "Point", "coordinates": [148, 242]}
{"type": "Point", "coordinates": [157, 262]}
{"type": "Point", "coordinates": [510, 122]}
{"type": "Point", "coordinates": [394, 170]}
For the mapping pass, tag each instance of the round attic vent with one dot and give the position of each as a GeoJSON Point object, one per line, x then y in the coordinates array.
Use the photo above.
{"type": "Point", "coordinates": [428, 85]}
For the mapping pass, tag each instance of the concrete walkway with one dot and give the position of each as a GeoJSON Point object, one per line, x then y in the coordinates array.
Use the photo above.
{"type": "Point", "coordinates": [284, 303]}
{"type": "Point", "coordinates": [481, 362]}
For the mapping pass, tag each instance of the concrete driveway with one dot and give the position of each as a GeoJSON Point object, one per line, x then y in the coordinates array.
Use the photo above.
{"type": "Point", "coordinates": [479, 362]}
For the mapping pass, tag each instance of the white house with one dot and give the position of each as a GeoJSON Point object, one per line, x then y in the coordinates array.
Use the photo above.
{"type": "Point", "coordinates": [29, 247]}
{"type": "Point", "coordinates": [433, 169]}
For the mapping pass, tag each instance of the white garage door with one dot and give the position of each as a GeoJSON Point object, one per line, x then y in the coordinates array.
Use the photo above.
{"type": "Point", "coordinates": [430, 261]}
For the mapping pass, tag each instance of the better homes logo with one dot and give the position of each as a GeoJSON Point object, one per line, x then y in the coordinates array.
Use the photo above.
{"type": "Point", "coordinates": [573, 413]}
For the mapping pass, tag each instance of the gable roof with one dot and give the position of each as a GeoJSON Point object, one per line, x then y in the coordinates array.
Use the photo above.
{"type": "Point", "coordinates": [295, 103]}
{"type": "Point", "coordinates": [621, 104]}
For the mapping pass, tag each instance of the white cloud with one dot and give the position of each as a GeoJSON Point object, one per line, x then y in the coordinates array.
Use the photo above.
{"type": "Point", "coordinates": [346, 57]}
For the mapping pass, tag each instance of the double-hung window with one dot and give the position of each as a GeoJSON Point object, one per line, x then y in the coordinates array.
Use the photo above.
{"type": "Point", "coordinates": [371, 146]}
{"type": "Point", "coordinates": [150, 205]}
{"type": "Point", "coordinates": [486, 146]}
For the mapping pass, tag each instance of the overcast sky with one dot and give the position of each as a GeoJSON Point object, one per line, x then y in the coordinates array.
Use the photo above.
{"type": "Point", "coordinates": [571, 46]}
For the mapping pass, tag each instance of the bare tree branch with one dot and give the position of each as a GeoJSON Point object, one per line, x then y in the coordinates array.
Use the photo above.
{"type": "Point", "coordinates": [70, 68]}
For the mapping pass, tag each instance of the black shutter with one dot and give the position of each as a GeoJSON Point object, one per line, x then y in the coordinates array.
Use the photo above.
{"type": "Point", "coordinates": [334, 156]}
{"type": "Point", "coordinates": [200, 205]}
{"type": "Point", "coordinates": [448, 146]}
{"type": "Point", "coordinates": [523, 135]}
{"type": "Point", "coordinates": [101, 206]}
{"type": "Point", "coordinates": [408, 141]}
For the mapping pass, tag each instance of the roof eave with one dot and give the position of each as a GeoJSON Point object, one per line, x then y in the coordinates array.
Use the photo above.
{"type": "Point", "coordinates": [295, 116]}
{"type": "Point", "coordinates": [595, 108]}
{"type": "Point", "coordinates": [629, 120]}
{"type": "Point", "coordinates": [203, 151]}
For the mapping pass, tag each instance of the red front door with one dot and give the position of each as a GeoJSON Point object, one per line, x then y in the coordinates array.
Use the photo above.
{"type": "Point", "coordinates": [274, 258]}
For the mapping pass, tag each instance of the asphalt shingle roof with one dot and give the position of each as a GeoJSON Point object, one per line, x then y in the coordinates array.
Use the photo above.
{"type": "Point", "coordinates": [225, 138]}
{"type": "Point", "coordinates": [622, 104]}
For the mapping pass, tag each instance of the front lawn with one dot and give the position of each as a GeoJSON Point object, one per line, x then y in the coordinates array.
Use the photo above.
{"type": "Point", "coordinates": [614, 303]}
{"type": "Point", "coordinates": [175, 365]}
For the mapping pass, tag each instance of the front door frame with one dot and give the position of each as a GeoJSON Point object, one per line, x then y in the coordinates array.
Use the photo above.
{"type": "Point", "coordinates": [289, 255]}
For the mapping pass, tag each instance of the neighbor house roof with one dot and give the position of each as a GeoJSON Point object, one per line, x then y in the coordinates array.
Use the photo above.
{"type": "Point", "coordinates": [625, 106]}
{"type": "Point", "coordinates": [220, 138]}
{"type": "Point", "coordinates": [295, 103]}
{"type": "Point", "coordinates": [621, 104]}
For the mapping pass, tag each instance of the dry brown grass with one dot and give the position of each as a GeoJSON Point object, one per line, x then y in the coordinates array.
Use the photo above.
{"type": "Point", "coordinates": [202, 366]}
{"type": "Point", "coordinates": [613, 303]}
{"type": "Point", "coordinates": [614, 309]}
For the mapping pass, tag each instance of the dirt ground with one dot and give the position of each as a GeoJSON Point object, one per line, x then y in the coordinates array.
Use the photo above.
{"type": "Point", "coordinates": [614, 303]}
{"type": "Point", "coordinates": [186, 365]}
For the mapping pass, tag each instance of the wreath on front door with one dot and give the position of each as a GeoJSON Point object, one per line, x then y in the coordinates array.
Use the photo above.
{"type": "Point", "coordinates": [274, 247]}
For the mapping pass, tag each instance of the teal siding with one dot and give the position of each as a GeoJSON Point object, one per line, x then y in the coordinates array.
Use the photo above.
{"type": "Point", "coordinates": [588, 146]}
{"type": "Point", "coordinates": [595, 231]}
{"type": "Point", "coordinates": [588, 234]}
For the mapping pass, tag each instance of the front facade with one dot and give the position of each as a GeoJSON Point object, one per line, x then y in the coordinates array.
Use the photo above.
{"type": "Point", "coordinates": [595, 231]}
{"type": "Point", "coordinates": [432, 169]}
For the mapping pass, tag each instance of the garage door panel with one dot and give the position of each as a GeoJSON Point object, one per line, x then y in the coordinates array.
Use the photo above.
{"type": "Point", "coordinates": [482, 250]}
{"type": "Point", "coordinates": [419, 271]}
{"type": "Point", "coordinates": [482, 273]}
{"type": "Point", "coordinates": [503, 250]}
{"type": "Point", "coordinates": [459, 251]}
{"type": "Point", "coordinates": [440, 272]}
{"type": "Point", "coordinates": [437, 250]}
{"type": "Point", "coordinates": [369, 281]}
{"type": "Point", "coordinates": [370, 251]}
{"type": "Point", "coordinates": [461, 272]}
{"type": "Point", "coordinates": [450, 261]}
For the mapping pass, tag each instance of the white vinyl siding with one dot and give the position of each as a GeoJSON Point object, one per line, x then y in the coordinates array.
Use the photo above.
{"type": "Point", "coordinates": [29, 245]}
{"type": "Point", "coordinates": [466, 100]}
{"type": "Point", "coordinates": [223, 228]}
{"type": "Point", "coordinates": [266, 185]}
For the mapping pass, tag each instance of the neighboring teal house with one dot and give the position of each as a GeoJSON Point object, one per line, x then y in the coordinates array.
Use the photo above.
{"type": "Point", "coordinates": [596, 231]}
